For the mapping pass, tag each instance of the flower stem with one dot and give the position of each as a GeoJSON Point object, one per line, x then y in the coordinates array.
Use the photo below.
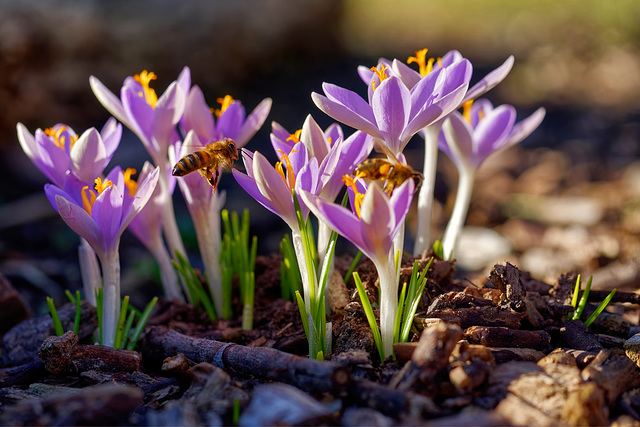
{"type": "Point", "coordinates": [460, 209]}
{"type": "Point", "coordinates": [306, 268]}
{"type": "Point", "coordinates": [110, 262]}
{"type": "Point", "coordinates": [388, 302]}
{"type": "Point", "coordinates": [89, 270]}
{"type": "Point", "coordinates": [207, 226]}
{"type": "Point", "coordinates": [425, 196]}
{"type": "Point", "coordinates": [169, 223]}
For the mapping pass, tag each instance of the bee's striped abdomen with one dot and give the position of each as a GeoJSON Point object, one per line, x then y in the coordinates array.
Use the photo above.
{"type": "Point", "coordinates": [191, 162]}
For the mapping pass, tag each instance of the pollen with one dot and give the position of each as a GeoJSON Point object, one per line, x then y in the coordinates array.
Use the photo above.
{"type": "Point", "coordinates": [224, 104]}
{"type": "Point", "coordinates": [295, 137]}
{"type": "Point", "coordinates": [131, 184]}
{"type": "Point", "coordinates": [149, 95]}
{"type": "Point", "coordinates": [60, 136]}
{"type": "Point", "coordinates": [381, 73]}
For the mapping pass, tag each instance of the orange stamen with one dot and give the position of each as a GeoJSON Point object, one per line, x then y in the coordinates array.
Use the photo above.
{"type": "Point", "coordinates": [381, 73]}
{"type": "Point", "coordinates": [425, 66]}
{"type": "Point", "coordinates": [295, 137]}
{"type": "Point", "coordinates": [224, 104]}
{"type": "Point", "coordinates": [89, 197]}
{"type": "Point", "coordinates": [149, 95]}
{"type": "Point", "coordinates": [131, 184]}
{"type": "Point", "coordinates": [289, 179]}
{"type": "Point", "coordinates": [59, 138]}
{"type": "Point", "coordinates": [466, 110]}
{"type": "Point", "coordinates": [358, 197]}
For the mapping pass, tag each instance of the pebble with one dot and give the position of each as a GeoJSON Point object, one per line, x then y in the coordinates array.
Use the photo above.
{"type": "Point", "coordinates": [479, 247]}
{"type": "Point", "coordinates": [563, 210]}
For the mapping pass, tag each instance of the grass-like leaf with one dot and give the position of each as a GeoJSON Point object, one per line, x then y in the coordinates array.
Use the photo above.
{"type": "Point", "coordinates": [352, 267]}
{"type": "Point", "coordinates": [57, 325]}
{"type": "Point", "coordinates": [141, 323]}
{"type": "Point", "coordinates": [600, 308]}
{"type": "Point", "coordinates": [368, 311]}
{"type": "Point", "coordinates": [583, 300]}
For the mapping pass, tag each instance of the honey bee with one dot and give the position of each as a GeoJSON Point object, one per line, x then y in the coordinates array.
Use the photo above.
{"type": "Point", "coordinates": [392, 173]}
{"type": "Point", "coordinates": [208, 160]}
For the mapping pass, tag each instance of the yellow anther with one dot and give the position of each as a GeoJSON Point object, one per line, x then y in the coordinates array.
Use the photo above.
{"type": "Point", "coordinates": [100, 186]}
{"type": "Point", "coordinates": [329, 141]}
{"type": "Point", "coordinates": [358, 197]}
{"type": "Point", "coordinates": [291, 181]}
{"type": "Point", "coordinates": [295, 137]}
{"type": "Point", "coordinates": [381, 73]}
{"type": "Point", "coordinates": [59, 138]}
{"type": "Point", "coordinates": [149, 95]}
{"type": "Point", "coordinates": [224, 104]}
{"type": "Point", "coordinates": [466, 110]}
{"type": "Point", "coordinates": [87, 201]}
{"type": "Point", "coordinates": [131, 184]}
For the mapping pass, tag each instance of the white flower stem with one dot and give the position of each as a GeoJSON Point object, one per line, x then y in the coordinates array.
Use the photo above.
{"type": "Point", "coordinates": [168, 275]}
{"type": "Point", "coordinates": [460, 209]}
{"type": "Point", "coordinates": [207, 226]}
{"type": "Point", "coordinates": [324, 234]}
{"type": "Point", "coordinates": [304, 265]}
{"type": "Point", "coordinates": [89, 271]}
{"type": "Point", "coordinates": [110, 262]}
{"type": "Point", "coordinates": [425, 196]}
{"type": "Point", "coordinates": [388, 301]}
{"type": "Point", "coordinates": [169, 223]}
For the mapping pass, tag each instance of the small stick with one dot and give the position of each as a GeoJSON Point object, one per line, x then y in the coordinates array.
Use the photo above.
{"type": "Point", "coordinates": [306, 374]}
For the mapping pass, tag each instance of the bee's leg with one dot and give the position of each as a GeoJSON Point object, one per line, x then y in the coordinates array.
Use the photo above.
{"type": "Point", "coordinates": [213, 176]}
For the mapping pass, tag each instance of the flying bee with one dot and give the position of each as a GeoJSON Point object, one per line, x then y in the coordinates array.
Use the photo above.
{"type": "Point", "coordinates": [209, 160]}
{"type": "Point", "coordinates": [392, 173]}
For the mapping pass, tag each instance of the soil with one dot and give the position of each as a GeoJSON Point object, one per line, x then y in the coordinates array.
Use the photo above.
{"type": "Point", "coordinates": [493, 346]}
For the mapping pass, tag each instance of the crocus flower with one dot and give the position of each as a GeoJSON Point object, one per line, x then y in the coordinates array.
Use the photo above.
{"type": "Point", "coordinates": [72, 162]}
{"type": "Point", "coordinates": [468, 139]}
{"type": "Point", "coordinates": [147, 227]}
{"type": "Point", "coordinates": [336, 156]}
{"type": "Point", "coordinates": [410, 77]}
{"type": "Point", "coordinates": [100, 219]}
{"type": "Point", "coordinates": [371, 226]}
{"type": "Point", "coordinates": [58, 150]}
{"type": "Point", "coordinates": [204, 206]}
{"type": "Point", "coordinates": [154, 121]}
{"type": "Point", "coordinates": [394, 113]}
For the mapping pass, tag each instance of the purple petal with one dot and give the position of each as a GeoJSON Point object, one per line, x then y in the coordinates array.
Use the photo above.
{"type": "Point", "coordinates": [146, 188]}
{"type": "Point", "coordinates": [184, 80]}
{"type": "Point", "coordinates": [457, 75]}
{"type": "Point", "coordinates": [333, 133]}
{"type": "Point", "coordinates": [52, 160]}
{"type": "Point", "coordinates": [451, 57]}
{"type": "Point", "coordinates": [378, 221]}
{"type": "Point", "coordinates": [254, 122]}
{"type": "Point", "coordinates": [274, 189]}
{"type": "Point", "coordinates": [140, 114]}
{"type": "Point", "coordinates": [80, 222]}
{"type": "Point", "coordinates": [490, 81]}
{"type": "Point", "coordinates": [345, 115]}
{"type": "Point", "coordinates": [401, 202]}
{"type": "Point", "coordinates": [339, 218]}
{"type": "Point", "coordinates": [298, 157]}
{"type": "Point", "coordinates": [524, 128]}
{"type": "Point", "coordinates": [169, 109]}
{"type": "Point", "coordinates": [88, 156]}
{"type": "Point", "coordinates": [109, 101]}
{"type": "Point", "coordinates": [111, 135]}
{"type": "Point", "coordinates": [391, 107]}
{"type": "Point", "coordinates": [365, 73]}
{"type": "Point", "coordinates": [230, 121]}
{"type": "Point", "coordinates": [107, 213]}
{"type": "Point", "coordinates": [426, 91]}
{"type": "Point", "coordinates": [280, 139]}
{"type": "Point", "coordinates": [491, 132]}
{"type": "Point", "coordinates": [313, 138]}
{"type": "Point", "coordinates": [249, 185]}
{"type": "Point", "coordinates": [350, 100]}
{"type": "Point", "coordinates": [457, 142]}
{"type": "Point", "coordinates": [27, 141]}
{"type": "Point", "coordinates": [408, 75]}
{"type": "Point", "coordinates": [197, 116]}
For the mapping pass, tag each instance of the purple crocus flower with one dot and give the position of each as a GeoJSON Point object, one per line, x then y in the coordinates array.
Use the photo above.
{"type": "Point", "coordinates": [394, 113]}
{"type": "Point", "coordinates": [468, 139]}
{"type": "Point", "coordinates": [232, 121]}
{"type": "Point", "coordinates": [371, 226]}
{"type": "Point", "coordinates": [154, 121]}
{"type": "Point", "coordinates": [100, 220]}
{"type": "Point", "coordinates": [58, 150]}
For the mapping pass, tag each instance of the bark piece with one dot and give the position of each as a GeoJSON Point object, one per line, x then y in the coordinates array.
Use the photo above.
{"type": "Point", "coordinates": [429, 358]}
{"type": "Point", "coordinates": [22, 374]}
{"type": "Point", "coordinates": [307, 374]}
{"type": "Point", "coordinates": [17, 350]}
{"type": "Point", "coordinates": [577, 336]}
{"type": "Point", "coordinates": [613, 373]}
{"type": "Point", "coordinates": [505, 354]}
{"type": "Point", "coordinates": [497, 336]}
{"type": "Point", "coordinates": [13, 309]}
{"type": "Point", "coordinates": [356, 417]}
{"type": "Point", "coordinates": [100, 405]}
{"type": "Point", "coordinates": [62, 355]}
{"type": "Point", "coordinates": [389, 401]}
{"type": "Point", "coordinates": [482, 316]}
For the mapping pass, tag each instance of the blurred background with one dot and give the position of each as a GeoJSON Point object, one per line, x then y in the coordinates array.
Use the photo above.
{"type": "Point", "coordinates": [580, 59]}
